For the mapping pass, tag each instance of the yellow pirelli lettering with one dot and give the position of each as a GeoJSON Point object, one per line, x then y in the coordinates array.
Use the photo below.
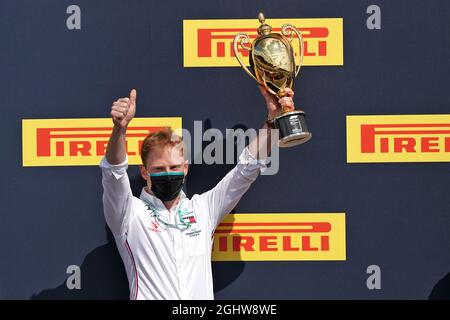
{"type": "Point", "coordinates": [81, 142]}
{"type": "Point", "coordinates": [208, 43]}
{"type": "Point", "coordinates": [280, 236]}
{"type": "Point", "coordinates": [398, 138]}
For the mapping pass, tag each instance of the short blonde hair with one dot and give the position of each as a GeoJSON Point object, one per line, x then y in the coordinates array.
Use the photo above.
{"type": "Point", "coordinates": [159, 140]}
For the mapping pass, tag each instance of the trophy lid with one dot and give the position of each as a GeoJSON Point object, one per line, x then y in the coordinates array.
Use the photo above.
{"type": "Point", "coordinates": [264, 29]}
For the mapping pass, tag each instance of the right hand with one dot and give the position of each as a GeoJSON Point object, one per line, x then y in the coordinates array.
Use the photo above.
{"type": "Point", "coordinates": [276, 106]}
{"type": "Point", "coordinates": [123, 110]}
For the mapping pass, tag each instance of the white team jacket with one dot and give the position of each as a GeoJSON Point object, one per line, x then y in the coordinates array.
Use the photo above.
{"type": "Point", "coordinates": [168, 263]}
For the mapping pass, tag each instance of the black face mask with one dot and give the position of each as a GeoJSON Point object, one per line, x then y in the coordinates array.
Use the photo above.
{"type": "Point", "coordinates": [166, 185]}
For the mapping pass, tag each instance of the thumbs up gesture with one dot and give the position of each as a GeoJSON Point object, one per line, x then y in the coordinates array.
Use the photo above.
{"type": "Point", "coordinates": [123, 110]}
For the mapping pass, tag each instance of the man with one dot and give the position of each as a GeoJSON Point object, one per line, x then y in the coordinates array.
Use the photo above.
{"type": "Point", "coordinates": [164, 238]}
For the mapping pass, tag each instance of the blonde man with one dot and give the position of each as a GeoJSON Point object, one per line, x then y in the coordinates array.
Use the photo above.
{"type": "Point", "coordinates": [164, 238]}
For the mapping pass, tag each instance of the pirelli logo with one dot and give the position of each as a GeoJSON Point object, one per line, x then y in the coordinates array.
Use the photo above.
{"type": "Point", "coordinates": [77, 142]}
{"type": "Point", "coordinates": [209, 43]}
{"type": "Point", "coordinates": [280, 236]}
{"type": "Point", "coordinates": [398, 138]}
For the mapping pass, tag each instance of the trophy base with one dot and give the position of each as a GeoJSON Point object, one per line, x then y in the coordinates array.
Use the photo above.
{"type": "Point", "coordinates": [293, 129]}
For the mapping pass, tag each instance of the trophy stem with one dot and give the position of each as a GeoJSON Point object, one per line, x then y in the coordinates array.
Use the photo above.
{"type": "Point", "coordinates": [281, 93]}
{"type": "Point", "coordinates": [292, 125]}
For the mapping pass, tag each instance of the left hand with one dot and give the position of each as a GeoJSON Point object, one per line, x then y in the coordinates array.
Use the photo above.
{"type": "Point", "coordinates": [276, 106]}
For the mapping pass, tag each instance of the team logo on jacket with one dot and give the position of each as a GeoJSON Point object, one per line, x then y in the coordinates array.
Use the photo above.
{"type": "Point", "coordinates": [190, 218]}
{"type": "Point", "coordinates": [154, 226]}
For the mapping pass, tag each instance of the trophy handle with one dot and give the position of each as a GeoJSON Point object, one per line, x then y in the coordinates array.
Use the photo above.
{"type": "Point", "coordinates": [286, 30]}
{"type": "Point", "coordinates": [241, 38]}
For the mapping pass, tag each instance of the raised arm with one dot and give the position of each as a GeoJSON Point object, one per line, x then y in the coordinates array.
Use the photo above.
{"type": "Point", "coordinates": [117, 195]}
{"type": "Point", "coordinates": [263, 144]}
{"type": "Point", "coordinates": [226, 194]}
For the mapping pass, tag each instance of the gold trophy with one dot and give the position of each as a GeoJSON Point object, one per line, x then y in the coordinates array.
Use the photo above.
{"type": "Point", "coordinates": [272, 61]}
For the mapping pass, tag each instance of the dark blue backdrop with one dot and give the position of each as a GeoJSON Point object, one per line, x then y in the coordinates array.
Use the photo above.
{"type": "Point", "coordinates": [398, 214]}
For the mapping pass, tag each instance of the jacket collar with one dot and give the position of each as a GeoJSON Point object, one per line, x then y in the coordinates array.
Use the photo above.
{"type": "Point", "coordinates": [156, 202]}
